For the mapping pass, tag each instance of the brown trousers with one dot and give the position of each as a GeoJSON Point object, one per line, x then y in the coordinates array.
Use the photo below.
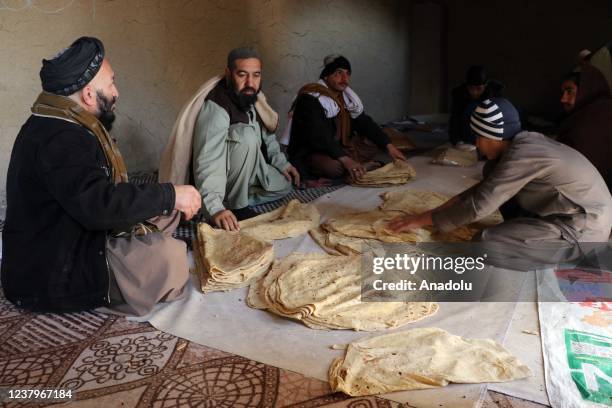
{"type": "Point", "coordinates": [322, 165]}
{"type": "Point", "coordinates": [147, 269]}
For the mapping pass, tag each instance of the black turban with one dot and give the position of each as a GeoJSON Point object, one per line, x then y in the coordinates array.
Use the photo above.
{"type": "Point", "coordinates": [332, 64]}
{"type": "Point", "coordinates": [73, 68]}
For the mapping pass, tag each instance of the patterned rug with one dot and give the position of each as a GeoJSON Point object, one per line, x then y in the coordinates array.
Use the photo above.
{"type": "Point", "coordinates": [109, 362]}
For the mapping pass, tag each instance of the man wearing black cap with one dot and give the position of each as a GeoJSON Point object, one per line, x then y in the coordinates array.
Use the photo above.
{"type": "Point", "coordinates": [476, 88]}
{"type": "Point", "coordinates": [78, 235]}
{"type": "Point", "coordinates": [564, 199]}
{"type": "Point", "coordinates": [325, 116]}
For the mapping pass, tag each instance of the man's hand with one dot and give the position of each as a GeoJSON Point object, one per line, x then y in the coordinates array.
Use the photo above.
{"type": "Point", "coordinates": [227, 220]}
{"type": "Point", "coordinates": [395, 153]}
{"type": "Point", "coordinates": [292, 173]}
{"type": "Point", "coordinates": [354, 168]}
{"type": "Point", "coordinates": [410, 222]}
{"type": "Point", "coordinates": [187, 200]}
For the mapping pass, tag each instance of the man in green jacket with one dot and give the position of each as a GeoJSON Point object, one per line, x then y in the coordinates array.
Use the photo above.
{"type": "Point", "coordinates": [236, 161]}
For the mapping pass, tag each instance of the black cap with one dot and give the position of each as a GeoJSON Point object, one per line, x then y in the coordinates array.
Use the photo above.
{"type": "Point", "coordinates": [332, 63]}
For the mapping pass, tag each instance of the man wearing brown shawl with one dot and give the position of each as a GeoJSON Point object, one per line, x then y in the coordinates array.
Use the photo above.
{"type": "Point", "coordinates": [588, 125]}
{"type": "Point", "coordinates": [78, 235]}
{"type": "Point", "coordinates": [331, 135]}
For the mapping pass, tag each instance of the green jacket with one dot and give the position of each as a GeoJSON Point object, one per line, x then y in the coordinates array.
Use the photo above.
{"type": "Point", "coordinates": [219, 124]}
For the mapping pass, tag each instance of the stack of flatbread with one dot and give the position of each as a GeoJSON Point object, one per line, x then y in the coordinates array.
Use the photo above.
{"type": "Point", "coordinates": [356, 233]}
{"type": "Point", "coordinates": [418, 359]}
{"type": "Point", "coordinates": [411, 201]}
{"type": "Point", "coordinates": [289, 221]}
{"type": "Point", "coordinates": [227, 260]}
{"type": "Point", "coordinates": [415, 202]}
{"type": "Point", "coordinates": [452, 156]}
{"type": "Point", "coordinates": [324, 292]}
{"type": "Point", "coordinates": [373, 225]}
{"type": "Point", "coordinates": [395, 173]}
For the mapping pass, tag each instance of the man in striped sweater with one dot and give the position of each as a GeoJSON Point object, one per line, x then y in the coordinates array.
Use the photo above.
{"type": "Point", "coordinates": [560, 198]}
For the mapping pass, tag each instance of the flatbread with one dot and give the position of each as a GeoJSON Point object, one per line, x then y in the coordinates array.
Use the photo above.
{"type": "Point", "coordinates": [456, 157]}
{"type": "Point", "coordinates": [289, 221]}
{"type": "Point", "coordinates": [396, 173]}
{"type": "Point", "coordinates": [324, 292]}
{"type": "Point", "coordinates": [227, 260]}
{"type": "Point", "coordinates": [418, 359]}
{"type": "Point", "coordinates": [416, 202]}
{"type": "Point", "coordinates": [372, 225]}
{"type": "Point", "coordinates": [338, 244]}
{"type": "Point", "coordinates": [359, 232]}
{"type": "Point", "coordinates": [319, 235]}
{"type": "Point", "coordinates": [411, 201]}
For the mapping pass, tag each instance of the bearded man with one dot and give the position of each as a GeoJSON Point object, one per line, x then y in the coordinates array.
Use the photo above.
{"type": "Point", "coordinates": [78, 235]}
{"type": "Point", "coordinates": [237, 162]}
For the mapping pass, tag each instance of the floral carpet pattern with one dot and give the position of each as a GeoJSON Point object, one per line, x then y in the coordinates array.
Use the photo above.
{"type": "Point", "coordinates": [108, 361]}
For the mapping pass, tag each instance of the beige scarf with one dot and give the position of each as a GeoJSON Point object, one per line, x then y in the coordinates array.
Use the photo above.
{"type": "Point", "coordinates": [176, 158]}
{"type": "Point", "coordinates": [62, 107]}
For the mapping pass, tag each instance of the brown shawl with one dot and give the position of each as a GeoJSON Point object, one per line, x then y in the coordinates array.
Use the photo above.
{"type": "Point", "coordinates": [48, 104]}
{"type": "Point", "coordinates": [588, 128]}
{"type": "Point", "coordinates": [344, 118]}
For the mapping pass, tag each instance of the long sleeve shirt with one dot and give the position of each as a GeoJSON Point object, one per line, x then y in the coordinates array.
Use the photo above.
{"type": "Point", "coordinates": [548, 179]}
{"type": "Point", "coordinates": [219, 122]}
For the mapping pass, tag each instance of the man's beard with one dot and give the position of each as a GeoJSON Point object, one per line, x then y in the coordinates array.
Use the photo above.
{"type": "Point", "coordinates": [244, 100]}
{"type": "Point", "coordinates": [105, 114]}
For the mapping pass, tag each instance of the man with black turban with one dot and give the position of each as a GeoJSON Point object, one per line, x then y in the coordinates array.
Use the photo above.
{"type": "Point", "coordinates": [78, 235]}
{"type": "Point", "coordinates": [331, 136]}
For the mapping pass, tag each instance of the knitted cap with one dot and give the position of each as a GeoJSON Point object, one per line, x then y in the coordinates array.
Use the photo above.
{"type": "Point", "coordinates": [496, 119]}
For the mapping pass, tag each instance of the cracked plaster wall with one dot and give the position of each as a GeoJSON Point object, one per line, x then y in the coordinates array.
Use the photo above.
{"type": "Point", "coordinates": [162, 51]}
